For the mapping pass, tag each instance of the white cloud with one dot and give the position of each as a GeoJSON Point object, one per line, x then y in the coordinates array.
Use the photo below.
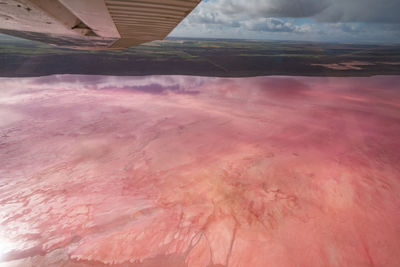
{"type": "Point", "coordinates": [273, 25]}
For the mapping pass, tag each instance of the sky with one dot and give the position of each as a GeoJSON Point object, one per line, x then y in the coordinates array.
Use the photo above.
{"type": "Point", "coordinates": [354, 21]}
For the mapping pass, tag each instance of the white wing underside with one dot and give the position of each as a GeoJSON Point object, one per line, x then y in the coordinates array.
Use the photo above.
{"type": "Point", "coordinates": [93, 24]}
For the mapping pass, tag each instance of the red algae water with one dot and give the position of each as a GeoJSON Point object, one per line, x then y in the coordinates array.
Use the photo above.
{"type": "Point", "coordinates": [190, 171]}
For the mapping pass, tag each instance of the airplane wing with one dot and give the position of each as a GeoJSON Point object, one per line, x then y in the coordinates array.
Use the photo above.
{"type": "Point", "coordinates": [93, 24]}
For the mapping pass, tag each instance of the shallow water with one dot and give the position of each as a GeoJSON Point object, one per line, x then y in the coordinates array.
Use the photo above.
{"type": "Point", "coordinates": [191, 171]}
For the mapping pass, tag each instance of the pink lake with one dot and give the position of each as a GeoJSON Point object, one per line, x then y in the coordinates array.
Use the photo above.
{"type": "Point", "coordinates": [191, 171]}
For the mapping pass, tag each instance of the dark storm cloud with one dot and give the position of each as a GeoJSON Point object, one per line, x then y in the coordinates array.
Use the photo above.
{"type": "Point", "coordinates": [381, 11]}
{"type": "Point", "coordinates": [385, 11]}
{"type": "Point", "coordinates": [274, 8]}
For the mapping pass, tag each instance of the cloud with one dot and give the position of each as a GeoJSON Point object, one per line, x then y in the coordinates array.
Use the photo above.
{"type": "Point", "coordinates": [382, 11]}
{"type": "Point", "coordinates": [220, 13]}
{"type": "Point", "coordinates": [272, 8]}
{"type": "Point", "coordinates": [373, 11]}
{"type": "Point", "coordinates": [364, 21]}
{"type": "Point", "coordinates": [273, 25]}
{"type": "Point", "coordinates": [143, 84]}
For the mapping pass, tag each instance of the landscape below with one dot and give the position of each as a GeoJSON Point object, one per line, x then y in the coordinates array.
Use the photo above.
{"type": "Point", "coordinates": [214, 58]}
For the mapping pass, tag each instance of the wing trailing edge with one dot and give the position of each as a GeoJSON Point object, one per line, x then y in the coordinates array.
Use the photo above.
{"type": "Point", "coordinates": [93, 24]}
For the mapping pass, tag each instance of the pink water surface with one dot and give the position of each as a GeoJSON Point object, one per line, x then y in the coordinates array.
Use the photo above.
{"type": "Point", "coordinates": [190, 171]}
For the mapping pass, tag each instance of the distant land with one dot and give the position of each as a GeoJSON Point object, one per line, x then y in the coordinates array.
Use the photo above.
{"type": "Point", "coordinates": [200, 57]}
